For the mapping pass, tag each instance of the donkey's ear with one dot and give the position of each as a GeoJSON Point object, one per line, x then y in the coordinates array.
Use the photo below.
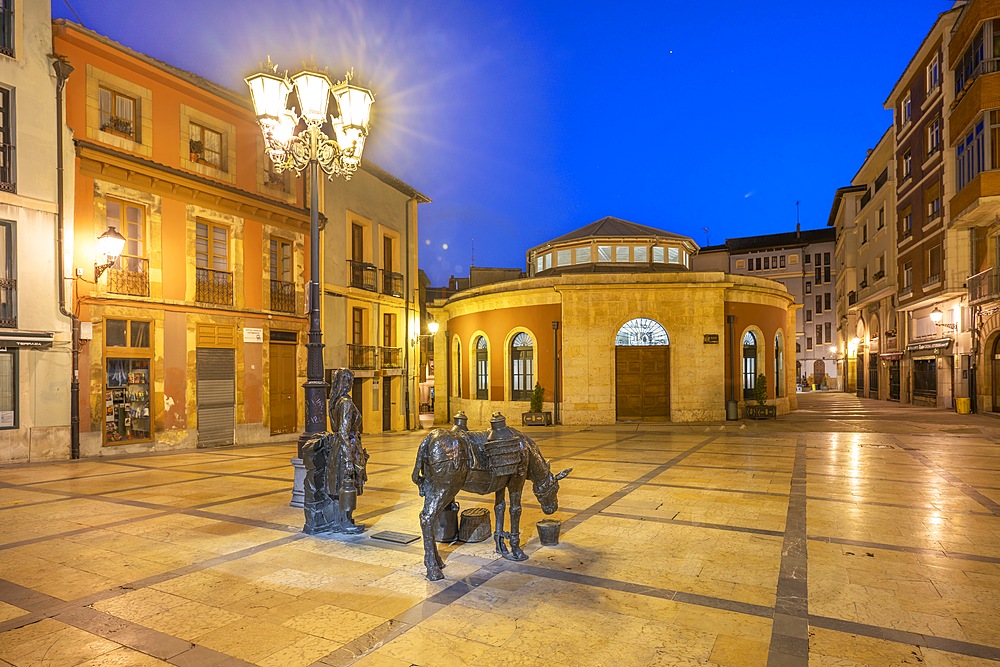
{"type": "Point", "coordinates": [563, 473]}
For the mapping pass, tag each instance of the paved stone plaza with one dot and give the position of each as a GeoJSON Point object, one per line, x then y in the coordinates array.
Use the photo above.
{"type": "Point", "coordinates": [850, 533]}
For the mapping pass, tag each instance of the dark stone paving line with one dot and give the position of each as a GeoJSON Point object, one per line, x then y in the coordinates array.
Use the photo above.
{"type": "Point", "coordinates": [695, 524]}
{"type": "Point", "coordinates": [904, 637]}
{"type": "Point", "coordinates": [611, 499]}
{"type": "Point", "coordinates": [401, 623]}
{"type": "Point", "coordinates": [160, 511]}
{"type": "Point", "coordinates": [916, 508]}
{"type": "Point", "coordinates": [904, 549]}
{"type": "Point", "coordinates": [967, 489]}
{"type": "Point", "coordinates": [790, 632]}
{"type": "Point", "coordinates": [639, 589]}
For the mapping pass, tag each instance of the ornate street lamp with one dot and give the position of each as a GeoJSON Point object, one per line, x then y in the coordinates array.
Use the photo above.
{"type": "Point", "coordinates": [295, 141]}
{"type": "Point", "coordinates": [110, 245]}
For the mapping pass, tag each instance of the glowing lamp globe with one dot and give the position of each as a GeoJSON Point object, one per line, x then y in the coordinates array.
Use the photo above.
{"type": "Point", "coordinates": [433, 327]}
{"type": "Point", "coordinates": [269, 93]}
{"type": "Point", "coordinates": [313, 91]}
{"type": "Point", "coordinates": [351, 128]}
{"type": "Point", "coordinates": [936, 316]}
{"type": "Point", "coordinates": [110, 244]}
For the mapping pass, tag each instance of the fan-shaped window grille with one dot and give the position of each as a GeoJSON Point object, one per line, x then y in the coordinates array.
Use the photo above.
{"type": "Point", "coordinates": [522, 373]}
{"type": "Point", "coordinates": [642, 331]}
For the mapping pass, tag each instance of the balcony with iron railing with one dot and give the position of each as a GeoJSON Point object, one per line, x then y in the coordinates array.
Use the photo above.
{"type": "Point", "coordinates": [984, 286]}
{"type": "Point", "coordinates": [392, 283]}
{"type": "Point", "coordinates": [8, 302]}
{"type": "Point", "coordinates": [282, 296]}
{"type": "Point", "coordinates": [852, 298]}
{"type": "Point", "coordinates": [361, 357]}
{"type": "Point", "coordinates": [392, 357]}
{"type": "Point", "coordinates": [129, 276]}
{"type": "Point", "coordinates": [363, 275]}
{"type": "Point", "coordinates": [212, 286]}
{"type": "Point", "coordinates": [866, 197]}
{"type": "Point", "coordinates": [7, 181]}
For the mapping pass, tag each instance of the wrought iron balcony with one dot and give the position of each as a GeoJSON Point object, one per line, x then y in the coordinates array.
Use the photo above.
{"type": "Point", "coordinates": [282, 296]}
{"type": "Point", "coordinates": [8, 302]}
{"type": "Point", "coordinates": [392, 283]}
{"type": "Point", "coordinates": [363, 275]}
{"type": "Point", "coordinates": [129, 275]}
{"type": "Point", "coordinates": [211, 286]}
{"type": "Point", "coordinates": [879, 275]}
{"type": "Point", "coordinates": [866, 197]}
{"type": "Point", "coordinates": [7, 180]}
{"type": "Point", "coordinates": [984, 286]}
{"type": "Point", "coordinates": [392, 357]}
{"type": "Point", "coordinates": [361, 357]}
{"type": "Point", "coordinates": [852, 298]}
{"type": "Point", "coordinates": [864, 284]}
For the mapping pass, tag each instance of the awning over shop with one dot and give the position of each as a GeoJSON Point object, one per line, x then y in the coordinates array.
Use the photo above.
{"type": "Point", "coordinates": [39, 340]}
{"type": "Point", "coordinates": [891, 356]}
{"type": "Point", "coordinates": [936, 344]}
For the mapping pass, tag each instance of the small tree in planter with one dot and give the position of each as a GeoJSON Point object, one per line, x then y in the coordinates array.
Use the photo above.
{"type": "Point", "coordinates": [535, 416]}
{"type": "Point", "coordinates": [761, 410]}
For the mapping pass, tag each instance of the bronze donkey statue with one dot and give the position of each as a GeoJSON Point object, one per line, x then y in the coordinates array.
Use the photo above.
{"type": "Point", "coordinates": [494, 461]}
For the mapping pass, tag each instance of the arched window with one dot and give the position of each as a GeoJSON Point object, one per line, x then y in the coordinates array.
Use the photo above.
{"type": "Point", "coordinates": [642, 331]}
{"type": "Point", "coordinates": [749, 365]}
{"type": "Point", "coordinates": [482, 369]}
{"type": "Point", "coordinates": [779, 366]}
{"type": "Point", "coordinates": [522, 373]}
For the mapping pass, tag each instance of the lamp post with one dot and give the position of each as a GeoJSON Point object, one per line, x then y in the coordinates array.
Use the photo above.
{"type": "Point", "coordinates": [297, 142]}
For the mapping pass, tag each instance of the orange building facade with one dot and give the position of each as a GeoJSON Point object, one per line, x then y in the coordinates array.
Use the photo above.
{"type": "Point", "coordinates": [195, 336]}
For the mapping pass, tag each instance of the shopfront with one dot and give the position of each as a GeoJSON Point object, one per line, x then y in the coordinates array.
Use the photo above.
{"type": "Point", "coordinates": [127, 381]}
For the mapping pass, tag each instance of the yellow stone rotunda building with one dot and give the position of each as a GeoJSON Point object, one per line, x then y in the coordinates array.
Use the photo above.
{"type": "Point", "coordinates": [615, 326]}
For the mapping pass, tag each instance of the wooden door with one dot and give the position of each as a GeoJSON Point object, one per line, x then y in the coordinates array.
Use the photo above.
{"type": "Point", "coordinates": [386, 404]}
{"type": "Point", "coordinates": [642, 383]}
{"type": "Point", "coordinates": [282, 388]}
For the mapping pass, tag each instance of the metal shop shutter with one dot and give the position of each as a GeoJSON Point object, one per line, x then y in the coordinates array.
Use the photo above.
{"type": "Point", "coordinates": [216, 373]}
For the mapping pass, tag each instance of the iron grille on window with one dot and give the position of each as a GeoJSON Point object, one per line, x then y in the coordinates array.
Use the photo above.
{"type": "Point", "coordinates": [392, 357]}
{"type": "Point", "coordinates": [8, 181]}
{"type": "Point", "coordinates": [213, 286]}
{"type": "Point", "coordinates": [361, 357]}
{"type": "Point", "coordinates": [282, 296]}
{"type": "Point", "coordinates": [7, 27]}
{"type": "Point", "coordinates": [392, 283]}
{"type": "Point", "coordinates": [8, 302]}
{"type": "Point", "coordinates": [129, 275]}
{"type": "Point", "coordinates": [363, 275]}
{"type": "Point", "coordinates": [984, 286]}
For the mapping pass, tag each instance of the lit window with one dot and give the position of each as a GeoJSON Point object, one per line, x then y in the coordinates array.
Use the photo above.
{"type": "Point", "coordinates": [117, 113]}
{"type": "Point", "coordinates": [206, 146]}
{"type": "Point", "coordinates": [522, 367]}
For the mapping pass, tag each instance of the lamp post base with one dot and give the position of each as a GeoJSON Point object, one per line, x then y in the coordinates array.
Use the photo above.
{"type": "Point", "coordinates": [298, 483]}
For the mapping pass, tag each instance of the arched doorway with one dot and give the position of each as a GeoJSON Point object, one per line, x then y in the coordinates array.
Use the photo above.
{"type": "Point", "coordinates": [873, 365]}
{"type": "Point", "coordinates": [819, 373]}
{"type": "Point", "coordinates": [642, 371]}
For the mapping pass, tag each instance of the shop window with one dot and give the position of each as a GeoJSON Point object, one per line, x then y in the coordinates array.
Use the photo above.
{"type": "Point", "coordinates": [127, 381]}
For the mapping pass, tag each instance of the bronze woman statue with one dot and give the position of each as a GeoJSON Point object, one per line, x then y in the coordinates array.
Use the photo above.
{"type": "Point", "coordinates": [336, 464]}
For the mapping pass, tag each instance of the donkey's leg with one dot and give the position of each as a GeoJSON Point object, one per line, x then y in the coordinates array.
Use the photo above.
{"type": "Point", "coordinates": [515, 520]}
{"type": "Point", "coordinates": [498, 537]}
{"type": "Point", "coordinates": [433, 504]}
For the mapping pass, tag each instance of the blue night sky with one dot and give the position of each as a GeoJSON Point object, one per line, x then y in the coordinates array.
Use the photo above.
{"type": "Point", "coordinates": [523, 120]}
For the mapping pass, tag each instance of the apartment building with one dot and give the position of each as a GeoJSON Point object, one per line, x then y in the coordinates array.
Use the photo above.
{"type": "Point", "coordinates": [869, 347]}
{"type": "Point", "coordinates": [973, 54]}
{"type": "Point", "coordinates": [194, 335]}
{"type": "Point", "coordinates": [932, 259]}
{"type": "Point", "coordinates": [802, 261]}
{"type": "Point", "coordinates": [35, 338]}
{"type": "Point", "coordinates": [371, 305]}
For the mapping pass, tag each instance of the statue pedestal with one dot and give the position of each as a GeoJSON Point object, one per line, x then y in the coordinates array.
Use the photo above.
{"type": "Point", "coordinates": [298, 483]}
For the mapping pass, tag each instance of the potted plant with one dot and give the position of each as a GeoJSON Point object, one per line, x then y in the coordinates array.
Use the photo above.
{"type": "Point", "coordinates": [535, 416]}
{"type": "Point", "coordinates": [197, 149]}
{"type": "Point", "coordinates": [762, 410]}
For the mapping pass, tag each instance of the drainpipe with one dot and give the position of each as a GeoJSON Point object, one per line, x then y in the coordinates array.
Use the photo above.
{"type": "Point", "coordinates": [63, 69]}
{"type": "Point", "coordinates": [406, 320]}
{"type": "Point", "coordinates": [732, 406]}
{"type": "Point", "coordinates": [555, 372]}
